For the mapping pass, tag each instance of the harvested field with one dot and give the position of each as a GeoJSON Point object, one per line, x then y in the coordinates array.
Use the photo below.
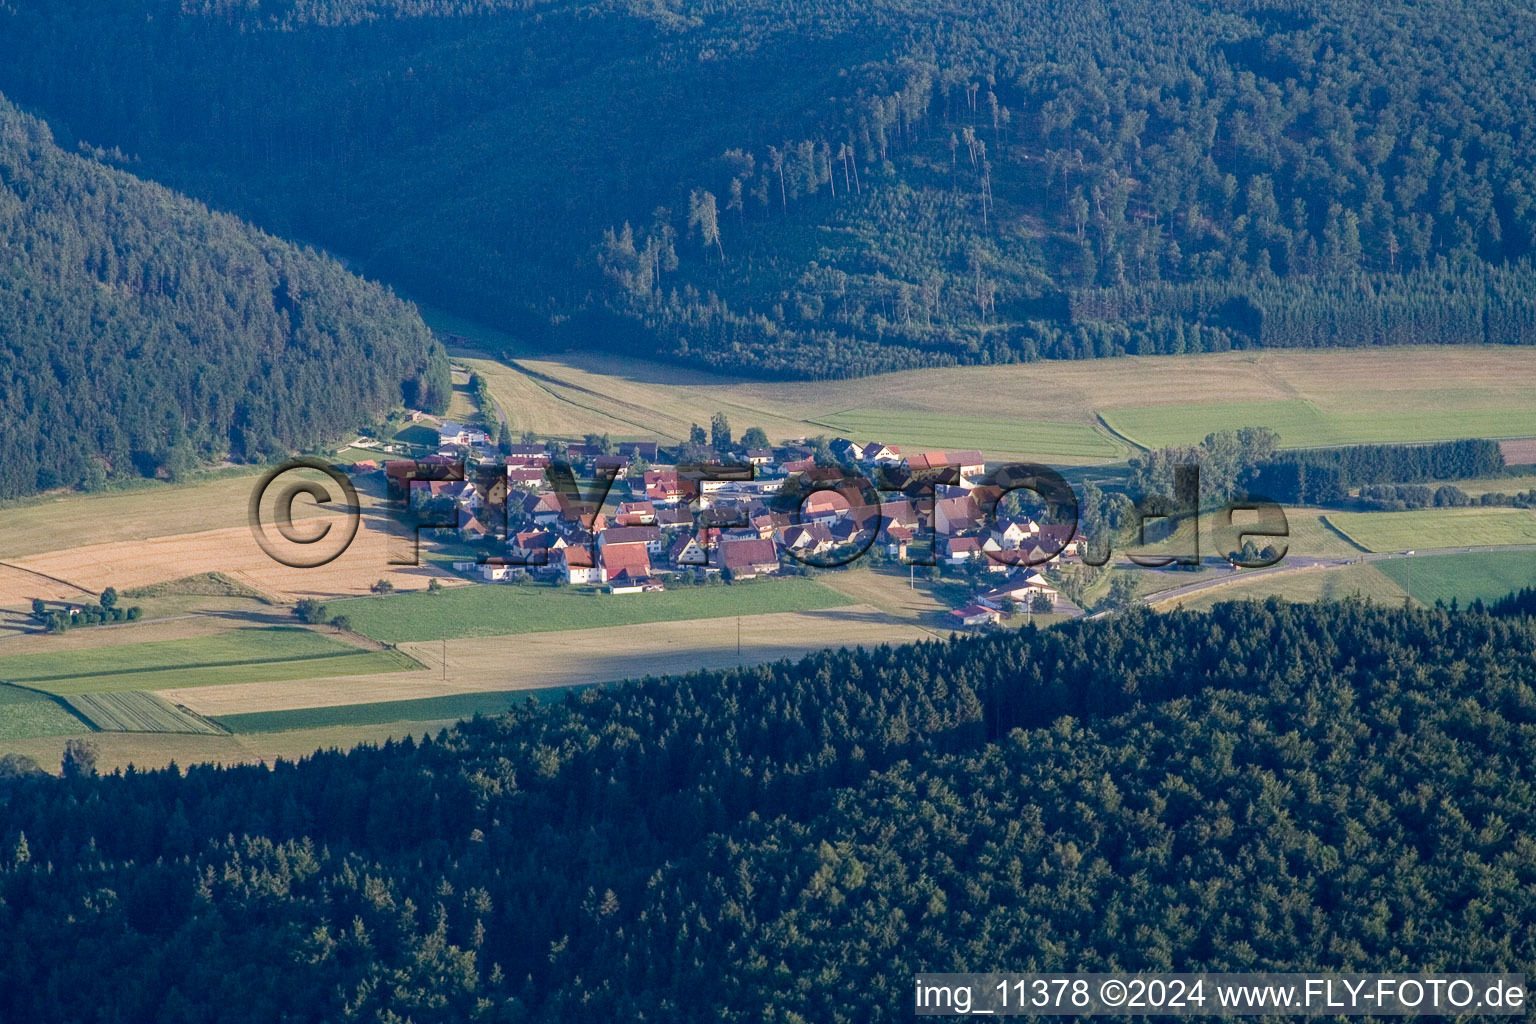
{"type": "Point", "coordinates": [571, 657]}
{"type": "Point", "coordinates": [135, 711]}
{"type": "Point", "coordinates": [233, 552]}
{"type": "Point", "coordinates": [1518, 453]}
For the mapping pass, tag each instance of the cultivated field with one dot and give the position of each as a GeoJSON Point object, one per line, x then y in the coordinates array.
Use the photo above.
{"type": "Point", "coordinates": [234, 656]}
{"type": "Point", "coordinates": [498, 610]}
{"type": "Point", "coordinates": [1436, 528]}
{"type": "Point", "coordinates": [26, 713]}
{"type": "Point", "coordinates": [1362, 580]}
{"type": "Point", "coordinates": [571, 658]}
{"type": "Point", "coordinates": [117, 750]}
{"type": "Point", "coordinates": [453, 707]}
{"type": "Point", "coordinates": [136, 711]}
{"type": "Point", "coordinates": [917, 431]}
{"type": "Point", "coordinates": [1317, 396]}
{"type": "Point", "coordinates": [1303, 424]}
{"type": "Point", "coordinates": [1464, 577]}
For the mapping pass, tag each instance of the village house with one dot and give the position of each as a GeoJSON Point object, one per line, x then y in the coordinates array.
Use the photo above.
{"type": "Point", "coordinates": [495, 571]}
{"type": "Point", "coordinates": [969, 465]}
{"type": "Point", "coordinates": [450, 433]}
{"type": "Point", "coordinates": [624, 583]}
{"type": "Point", "coordinates": [636, 513]}
{"type": "Point", "coordinates": [975, 615]}
{"type": "Point", "coordinates": [649, 536]}
{"type": "Point", "coordinates": [800, 465]}
{"type": "Point", "coordinates": [1011, 535]}
{"type": "Point", "coordinates": [747, 558]}
{"type": "Point", "coordinates": [809, 539]}
{"type": "Point", "coordinates": [957, 515]}
{"type": "Point", "coordinates": [577, 565]}
{"type": "Point", "coordinates": [689, 552]}
{"type": "Point", "coordinates": [626, 557]}
{"type": "Point", "coordinates": [844, 450]}
{"type": "Point", "coordinates": [663, 486]}
{"type": "Point", "coordinates": [525, 477]}
{"type": "Point", "coordinates": [1021, 587]}
{"type": "Point", "coordinates": [882, 454]}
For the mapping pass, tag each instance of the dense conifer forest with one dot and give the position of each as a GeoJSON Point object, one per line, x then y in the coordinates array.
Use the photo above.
{"type": "Point", "coordinates": [814, 188]}
{"type": "Point", "coordinates": [1258, 787]}
{"type": "Point", "coordinates": [142, 334]}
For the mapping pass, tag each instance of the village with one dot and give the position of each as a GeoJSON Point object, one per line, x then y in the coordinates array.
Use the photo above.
{"type": "Point", "coordinates": [636, 517]}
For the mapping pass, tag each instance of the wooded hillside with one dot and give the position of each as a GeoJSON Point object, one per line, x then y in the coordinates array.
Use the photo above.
{"type": "Point", "coordinates": [141, 333]}
{"type": "Point", "coordinates": [813, 188]}
{"type": "Point", "coordinates": [1263, 787]}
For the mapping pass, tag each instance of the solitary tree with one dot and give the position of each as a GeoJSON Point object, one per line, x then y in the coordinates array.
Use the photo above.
{"type": "Point", "coordinates": [109, 597]}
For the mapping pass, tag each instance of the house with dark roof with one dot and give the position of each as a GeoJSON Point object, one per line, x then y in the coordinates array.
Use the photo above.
{"type": "Point", "coordinates": [746, 558]}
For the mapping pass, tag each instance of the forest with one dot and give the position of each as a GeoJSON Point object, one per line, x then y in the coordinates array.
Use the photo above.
{"type": "Point", "coordinates": [142, 334]}
{"type": "Point", "coordinates": [1258, 787]}
{"type": "Point", "coordinates": [808, 188]}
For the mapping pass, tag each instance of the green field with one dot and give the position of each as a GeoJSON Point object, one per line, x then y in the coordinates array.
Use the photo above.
{"type": "Point", "coordinates": [1464, 577]}
{"type": "Point", "coordinates": [427, 709]}
{"type": "Point", "coordinates": [1436, 528]}
{"type": "Point", "coordinates": [919, 431]}
{"type": "Point", "coordinates": [1303, 424]}
{"type": "Point", "coordinates": [238, 656]}
{"type": "Point", "coordinates": [25, 714]}
{"type": "Point", "coordinates": [498, 610]}
{"type": "Point", "coordinates": [136, 711]}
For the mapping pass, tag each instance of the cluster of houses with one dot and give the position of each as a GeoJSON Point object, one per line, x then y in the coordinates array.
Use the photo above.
{"type": "Point", "coordinates": [657, 521]}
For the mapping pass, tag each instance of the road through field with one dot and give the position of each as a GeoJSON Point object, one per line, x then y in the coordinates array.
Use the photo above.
{"type": "Point", "coordinates": [1175, 596]}
{"type": "Point", "coordinates": [569, 657]}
